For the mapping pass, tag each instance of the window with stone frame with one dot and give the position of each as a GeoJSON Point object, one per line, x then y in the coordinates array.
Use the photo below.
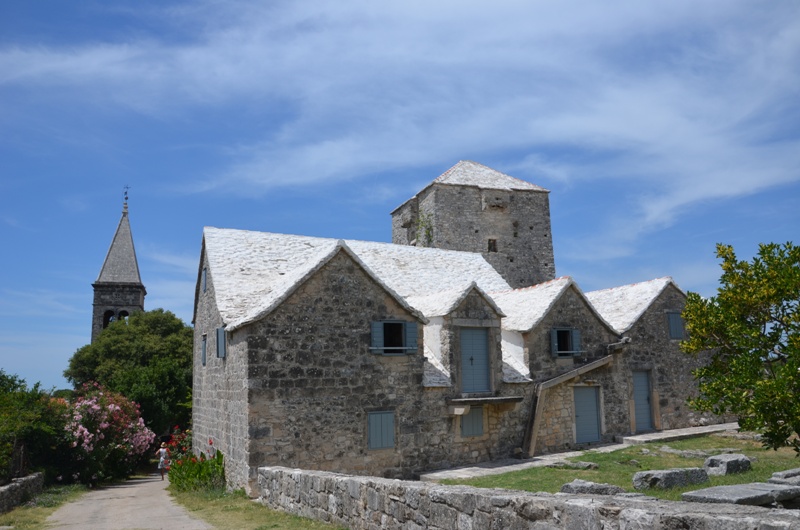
{"type": "Point", "coordinates": [565, 342]}
{"type": "Point", "coordinates": [393, 337]}
{"type": "Point", "coordinates": [203, 346]}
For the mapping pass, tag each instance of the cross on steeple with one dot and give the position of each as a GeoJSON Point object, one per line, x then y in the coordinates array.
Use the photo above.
{"type": "Point", "coordinates": [125, 198]}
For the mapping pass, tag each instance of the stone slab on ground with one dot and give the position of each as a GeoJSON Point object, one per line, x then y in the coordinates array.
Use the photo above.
{"type": "Point", "coordinates": [726, 464]}
{"type": "Point", "coordinates": [669, 478]}
{"type": "Point", "coordinates": [591, 488]}
{"type": "Point", "coordinates": [789, 477]}
{"type": "Point", "coordinates": [755, 494]}
{"type": "Point", "coordinates": [678, 434]}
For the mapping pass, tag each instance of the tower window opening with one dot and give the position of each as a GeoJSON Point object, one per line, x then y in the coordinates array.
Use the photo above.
{"type": "Point", "coordinates": [492, 245]}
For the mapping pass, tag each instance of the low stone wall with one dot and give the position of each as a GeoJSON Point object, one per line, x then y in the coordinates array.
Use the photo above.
{"type": "Point", "coordinates": [377, 503]}
{"type": "Point", "coordinates": [20, 490]}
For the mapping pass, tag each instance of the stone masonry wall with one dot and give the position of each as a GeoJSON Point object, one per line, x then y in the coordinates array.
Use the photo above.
{"type": "Point", "coordinates": [466, 218]}
{"type": "Point", "coordinates": [312, 379]}
{"type": "Point", "coordinates": [670, 369]}
{"type": "Point", "coordinates": [570, 311]}
{"type": "Point", "coordinates": [370, 503]}
{"type": "Point", "coordinates": [219, 392]}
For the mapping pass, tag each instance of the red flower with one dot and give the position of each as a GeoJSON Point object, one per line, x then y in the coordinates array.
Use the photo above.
{"type": "Point", "coordinates": [210, 441]}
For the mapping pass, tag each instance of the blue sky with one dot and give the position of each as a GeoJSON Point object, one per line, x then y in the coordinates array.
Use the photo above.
{"type": "Point", "coordinates": [660, 129]}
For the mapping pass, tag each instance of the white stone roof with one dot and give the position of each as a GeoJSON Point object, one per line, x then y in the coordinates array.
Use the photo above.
{"type": "Point", "coordinates": [468, 173]}
{"type": "Point", "coordinates": [435, 374]}
{"type": "Point", "coordinates": [254, 271]}
{"type": "Point", "coordinates": [622, 306]}
{"type": "Point", "coordinates": [527, 306]}
{"type": "Point", "coordinates": [444, 302]}
{"type": "Point", "coordinates": [514, 369]}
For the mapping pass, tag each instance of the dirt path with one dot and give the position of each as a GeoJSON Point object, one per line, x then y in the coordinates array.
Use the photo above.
{"type": "Point", "coordinates": [136, 504]}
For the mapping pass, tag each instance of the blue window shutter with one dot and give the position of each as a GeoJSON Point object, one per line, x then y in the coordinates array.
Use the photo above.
{"type": "Point", "coordinates": [675, 322]}
{"type": "Point", "coordinates": [472, 422]}
{"type": "Point", "coordinates": [221, 343]}
{"type": "Point", "coordinates": [381, 430]}
{"type": "Point", "coordinates": [203, 351]}
{"type": "Point", "coordinates": [377, 337]}
{"type": "Point", "coordinates": [554, 342]}
{"type": "Point", "coordinates": [411, 337]}
{"type": "Point", "coordinates": [576, 341]}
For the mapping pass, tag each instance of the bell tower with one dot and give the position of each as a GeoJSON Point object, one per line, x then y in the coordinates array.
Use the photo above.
{"type": "Point", "coordinates": [118, 290]}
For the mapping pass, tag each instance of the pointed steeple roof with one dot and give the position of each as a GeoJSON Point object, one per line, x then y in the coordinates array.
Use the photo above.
{"type": "Point", "coordinates": [120, 265]}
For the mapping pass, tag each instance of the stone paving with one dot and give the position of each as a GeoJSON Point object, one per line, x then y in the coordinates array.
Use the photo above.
{"type": "Point", "coordinates": [504, 466]}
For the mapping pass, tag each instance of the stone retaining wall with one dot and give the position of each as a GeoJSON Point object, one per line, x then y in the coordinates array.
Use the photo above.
{"type": "Point", "coordinates": [377, 503]}
{"type": "Point", "coordinates": [20, 489]}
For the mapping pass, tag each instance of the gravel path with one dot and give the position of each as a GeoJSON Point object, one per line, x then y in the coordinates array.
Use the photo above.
{"type": "Point", "coordinates": [135, 504]}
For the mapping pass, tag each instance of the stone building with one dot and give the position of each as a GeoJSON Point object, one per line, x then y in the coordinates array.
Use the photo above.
{"type": "Point", "coordinates": [118, 290]}
{"type": "Point", "coordinates": [394, 359]}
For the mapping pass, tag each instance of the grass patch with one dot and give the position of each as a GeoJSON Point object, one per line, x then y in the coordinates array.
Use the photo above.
{"type": "Point", "coordinates": [32, 514]}
{"type": "Point", "coordinates": [236, 511]}
{"type": "Point", "coordinates": [618, 467]}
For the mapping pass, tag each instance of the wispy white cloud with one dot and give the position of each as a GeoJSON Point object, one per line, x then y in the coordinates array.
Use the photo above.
{"type": "Point", "coordinates": [689, 102]}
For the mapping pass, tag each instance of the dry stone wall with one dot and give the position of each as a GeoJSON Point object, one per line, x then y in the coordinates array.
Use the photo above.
{"type": "Point", "coordinates": [370, 503]}
{"type": "Point", "coordinates": [20, 490]}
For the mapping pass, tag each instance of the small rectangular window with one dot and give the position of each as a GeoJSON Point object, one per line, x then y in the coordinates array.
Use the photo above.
{"type": "Point", "coordinates": [203, 351]}
{"type": "Point", "coordinates": [492, 245]}
{"type": "Point", "coordinates": [381, 429]}
{"type": "Point", "coordinates": [203, 279]}
{"type": "Point", "coordinates": [393, 337]}
{"type": "Point", "coordinates": [565, 342]}
{"type": "Point", "coordinates": [676, 326]}
{"type": "Point", "coordinates": [221, 347]}
{"type": "Point", "coordinates": [472, 422]}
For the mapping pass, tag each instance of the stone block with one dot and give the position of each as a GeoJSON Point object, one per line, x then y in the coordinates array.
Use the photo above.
{"type": "Point", "coordinates": [669, 478]}
{"type": "Point", "coordinates": [755, 494]}
{"type": "Point", "coordinates": [591, 488]}
{"type": "Point", "coordinates": [790, 477]}
{"type": "Point", "coordinates": [726, 464]}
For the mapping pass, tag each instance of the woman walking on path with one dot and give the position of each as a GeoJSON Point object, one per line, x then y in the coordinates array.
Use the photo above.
{"type": "Point", "coordinates": [163, 461]}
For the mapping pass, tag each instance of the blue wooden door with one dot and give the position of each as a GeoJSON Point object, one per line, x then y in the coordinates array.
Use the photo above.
{"type": "Point", "coordinates": [641, 401]}
{"type": "Point", "coordinates": [587, 414]}
{"type": "Point", "coordinates": [474, 360]}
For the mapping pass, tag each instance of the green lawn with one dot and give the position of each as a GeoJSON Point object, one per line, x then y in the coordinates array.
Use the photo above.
{"type": "Point", "coordinates": [619, 467]}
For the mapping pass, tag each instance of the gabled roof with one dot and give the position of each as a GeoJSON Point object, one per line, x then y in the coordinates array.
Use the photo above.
{"type": "Point", "coordinates": [253, 272]}
{"type": "Point", "coordinates": [444, 302]}
{"type": "Point", "coordinates": [468, 173]}
{"type": "Point", "coordinates": [527, 306]}
{"type": "Point", "coordinates": [623, 306]}
{"type": "Point", "coordinates": [120, 265]}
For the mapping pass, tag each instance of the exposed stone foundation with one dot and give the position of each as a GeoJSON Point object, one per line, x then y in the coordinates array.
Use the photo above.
{"type": "Point", "coordinates": [377, 503]}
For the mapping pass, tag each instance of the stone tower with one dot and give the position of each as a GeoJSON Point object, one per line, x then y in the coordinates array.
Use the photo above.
{"type": "Point", "coordinates": [118, 291]}
{"type": "Point", "coordinates": [474, 208]}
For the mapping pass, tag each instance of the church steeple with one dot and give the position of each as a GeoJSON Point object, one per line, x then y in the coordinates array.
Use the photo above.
{"type": "Point", "coordinates": [118, 290]}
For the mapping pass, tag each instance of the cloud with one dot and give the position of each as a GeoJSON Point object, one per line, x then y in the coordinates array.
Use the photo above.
{"type": "Point", "coordinates": [687, 103]}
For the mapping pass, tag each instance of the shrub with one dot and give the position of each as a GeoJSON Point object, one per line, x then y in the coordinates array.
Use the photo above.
{"type": "Point", "coordinates": [188, 472]}
{"type": "Point", "coordinates": [107, 436]}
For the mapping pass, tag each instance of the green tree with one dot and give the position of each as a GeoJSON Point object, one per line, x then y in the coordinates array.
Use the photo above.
{"type": "Point", "coordinates": [751, 328]}
{"type": "Point", "coordinates": [31, 428]}
{"type": "Point", "coordinates": [148, 359]}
